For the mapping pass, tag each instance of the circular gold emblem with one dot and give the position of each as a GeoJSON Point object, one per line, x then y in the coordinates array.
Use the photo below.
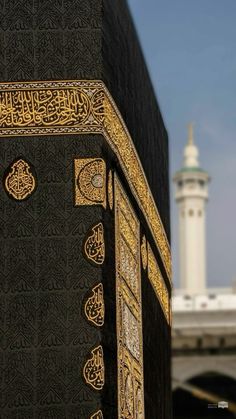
{"type": "Point", "coordinates": [20, 183]}
{"type": "Point", "coordinates": [91, 181]}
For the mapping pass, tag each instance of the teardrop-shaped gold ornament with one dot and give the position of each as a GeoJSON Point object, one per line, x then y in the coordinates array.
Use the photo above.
{"type": "Point", "coordinates": [94, 370]}
{"type": "Point", "coordinates": [20, 183]}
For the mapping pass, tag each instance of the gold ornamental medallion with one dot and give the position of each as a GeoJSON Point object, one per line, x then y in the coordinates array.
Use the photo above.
{"type": "Point", "coordinates": [20, 183]}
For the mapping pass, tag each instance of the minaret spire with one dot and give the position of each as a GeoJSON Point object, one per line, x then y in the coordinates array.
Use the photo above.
{"type": "Point", "coordinates": [190, 134]}
{"type": "Point", "coordinates": [190, 150]}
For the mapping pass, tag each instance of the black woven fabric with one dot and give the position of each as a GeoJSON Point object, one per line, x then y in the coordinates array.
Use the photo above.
{"type": "Point", "coordinates": [44, 277]}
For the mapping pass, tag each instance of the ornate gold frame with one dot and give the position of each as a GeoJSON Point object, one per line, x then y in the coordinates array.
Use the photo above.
{"type": "Point", "coordinates": [128, 308]}
{"type": "Point", "coordinates": [81, 107]}
{"type": "Point", "coordinates": [90, 182]}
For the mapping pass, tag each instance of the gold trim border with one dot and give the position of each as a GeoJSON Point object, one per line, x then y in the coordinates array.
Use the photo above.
{"type": "Point", "coordinates": [125, 295]}
{"type": "Point", "coordinates": [158, 284]}
{"type": "Point", "coordinates": [81, 107]}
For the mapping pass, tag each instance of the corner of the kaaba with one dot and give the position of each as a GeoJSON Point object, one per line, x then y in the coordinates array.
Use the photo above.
{"type": "Point", "coordinates": [85, 263]}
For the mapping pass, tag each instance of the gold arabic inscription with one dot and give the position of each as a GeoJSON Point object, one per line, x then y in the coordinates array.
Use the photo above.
{"type": "Point", "coordinates": [70, 107]}
{"type": "Point", "coordinates": [20, 183]}
{"type": "Point", "coordinates": [94, 306]}
{"type": "Point", "coordinates": [43, 107]}
{"type": "Point", "coordinates": [95, 246]}
{"type": "Point", "coordinates": [94, 370]}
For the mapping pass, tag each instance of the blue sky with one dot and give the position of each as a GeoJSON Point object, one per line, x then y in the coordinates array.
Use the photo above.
{"type": "Point", "coordinates": [190, 49]}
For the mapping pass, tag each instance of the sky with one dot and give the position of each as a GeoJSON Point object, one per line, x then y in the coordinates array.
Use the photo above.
{"type": "Point", "coordinates": [190, 50]}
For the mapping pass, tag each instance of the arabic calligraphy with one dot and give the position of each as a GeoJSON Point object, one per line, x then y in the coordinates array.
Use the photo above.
{"type": "Point", "coordinates": [77, 107]}
{"type": "Point", "coordinates": [90, 182]}
{"type": "Point", "coordinates": [98, 105]}
{"type": "Point", "coordinates": [97, 415]}
{"type": "Point", "coordinates": [94, 307]}
{"type": "Point", "coordinates": [44, 107]}
{"type": "Point", "coordinates": [95, 246]}
{"type": "Point", "coordinates": [94, 370]}
{"type": "Point", "coordinates": [20, 183]}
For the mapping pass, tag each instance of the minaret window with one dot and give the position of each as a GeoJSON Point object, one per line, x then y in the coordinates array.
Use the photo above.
{"type": "Point", "coordinates": [191, 212]}
{"type": "Point", "coordinates": [191, 183]}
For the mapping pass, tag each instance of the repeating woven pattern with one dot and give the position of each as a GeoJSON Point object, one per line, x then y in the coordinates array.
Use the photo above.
{"type": "Point", "coordinates": [45, 338]}
{"type": "Point", "coordinates": [49, 39]}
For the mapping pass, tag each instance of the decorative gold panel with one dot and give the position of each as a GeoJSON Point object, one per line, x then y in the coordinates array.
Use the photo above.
{"type": "Point", "coordinates": [110, 190]}
{"type": "Point", "coordinates": [95, 245]}
{"type": "Point", "coordinates": [70, 107]}
{"type": "Point", "coordinates": [94, 306]}
{"type": "Point", "coordinates": [97, 415]}
{"type": "Point", "coordinates": [94, 370]}
{"type": "Point", "coordinates": [20, 183]}
{"type": "Point", "coordinates": [129, 309]}
{"type": "Point", "coordinates": [90, 182]}
{"type": "Point", "coordinates": [158, 284]}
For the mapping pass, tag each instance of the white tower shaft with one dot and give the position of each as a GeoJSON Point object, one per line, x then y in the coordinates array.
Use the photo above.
{"type": "Point", "coordinates": [192, 245]}
{"type": "Point", "coordinates": [191, 197]}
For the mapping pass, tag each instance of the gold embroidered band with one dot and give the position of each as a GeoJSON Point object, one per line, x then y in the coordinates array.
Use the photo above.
{"type": "Point", "coordinates": [70, 107]}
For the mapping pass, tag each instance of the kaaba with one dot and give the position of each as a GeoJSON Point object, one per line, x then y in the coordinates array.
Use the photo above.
{"type": "Point", "coordinates": [85, 265]}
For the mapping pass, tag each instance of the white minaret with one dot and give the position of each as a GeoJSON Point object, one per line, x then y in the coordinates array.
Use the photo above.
{"type": "Point", "coordinates": [191, 196]}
